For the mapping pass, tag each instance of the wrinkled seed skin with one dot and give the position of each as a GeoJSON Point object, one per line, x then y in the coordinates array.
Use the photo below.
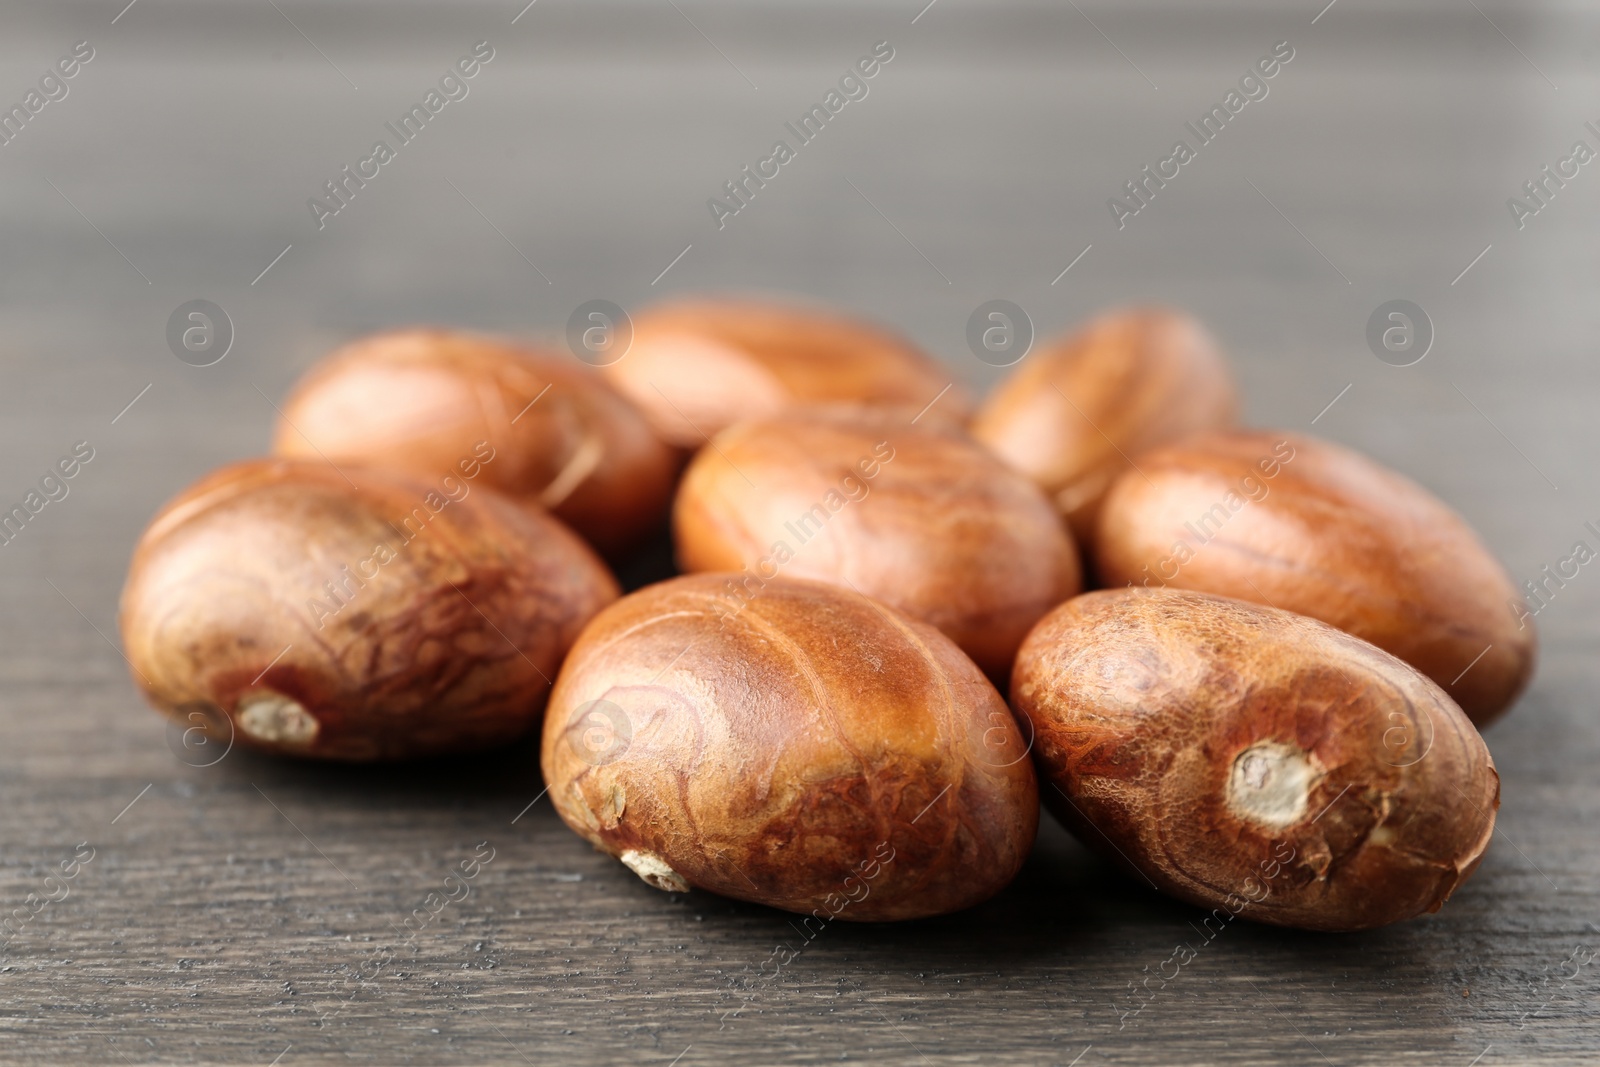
{"type": "Point", "coordinates": [778, 754]}
{"type": "Point", "coordinates": [1337, 537]}
{"type": "Point", "coordinates": [942, 530]}
{"type": "Point", "coordinates": [448, 648]}
{"type": "Point", "coordinates": [698, 366]}
{"type": "Point", "coordinates": [418, 400]}
{"type": "Point", "coordinates": [1075, 412]}
{"type": "Point", "coordinates": [1142, 701]}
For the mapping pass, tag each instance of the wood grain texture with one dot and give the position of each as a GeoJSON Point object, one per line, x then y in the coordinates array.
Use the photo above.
{"type": "Point", "coordinates": [228, 908]}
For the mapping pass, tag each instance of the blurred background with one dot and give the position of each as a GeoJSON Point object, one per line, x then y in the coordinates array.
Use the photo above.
{"type": "Point", "coordinates": [176, 164]}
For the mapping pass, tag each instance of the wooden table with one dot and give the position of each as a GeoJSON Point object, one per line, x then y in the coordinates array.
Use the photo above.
{"type": "Point", "coordinates": [226, 907]}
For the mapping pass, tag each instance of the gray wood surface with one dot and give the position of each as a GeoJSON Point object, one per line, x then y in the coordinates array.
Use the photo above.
{"type": "Point", "coordinates": [226, 908]}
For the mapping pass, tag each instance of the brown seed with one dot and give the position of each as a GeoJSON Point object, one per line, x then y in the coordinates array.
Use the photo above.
{"type": "Point", "coordinates": [420, 401]}
{"type": "Point", "coordinates": [309, 617]}
{"type": "Point", "coordinates": [696, 367]}
{"type": "Point", "coordinates": [814, 751]}
{"type": "Point", "coordinates": [919, 517]}
{"type": "Point", "coordinates": [1317, 529]}
{"type": "Point", "coordinates": [1253, 761]}
{"type": "Point", "coordinates": [1075, 412]}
